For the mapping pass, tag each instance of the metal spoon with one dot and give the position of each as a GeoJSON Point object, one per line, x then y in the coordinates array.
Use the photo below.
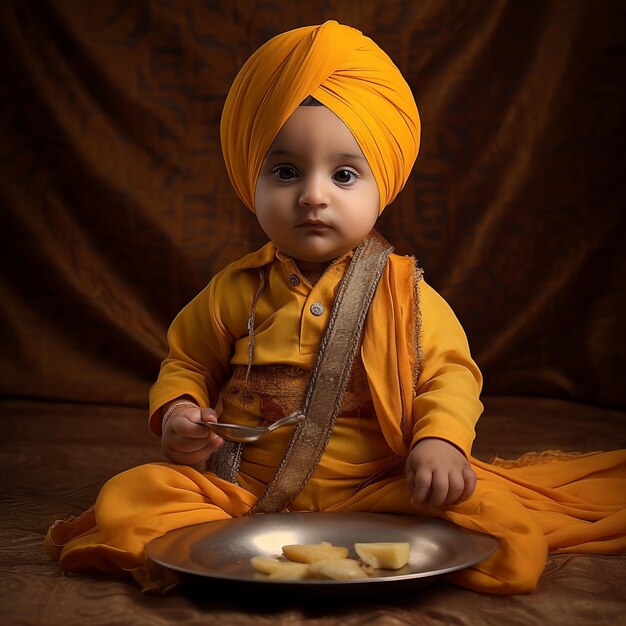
{"type": "Point", "coordinates": [247, 434]}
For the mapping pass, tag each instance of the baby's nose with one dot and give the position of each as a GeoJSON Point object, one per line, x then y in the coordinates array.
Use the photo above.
{"type": "Point", "coordinates": [315, 191]}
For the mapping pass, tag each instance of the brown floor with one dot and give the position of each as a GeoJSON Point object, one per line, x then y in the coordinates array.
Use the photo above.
{"type": "Point", "coordinates": [56, 457]}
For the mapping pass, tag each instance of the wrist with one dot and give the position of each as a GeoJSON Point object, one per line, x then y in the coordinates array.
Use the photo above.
{"type": "Point", "coordinates": [172, 408]}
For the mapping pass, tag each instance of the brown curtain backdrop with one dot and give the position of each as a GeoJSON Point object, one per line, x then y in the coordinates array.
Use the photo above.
{"type": "Point", "coordinates": [116, 207]}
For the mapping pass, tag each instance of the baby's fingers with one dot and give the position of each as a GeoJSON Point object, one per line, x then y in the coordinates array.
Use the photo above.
{"type": "Point", "coordinates": [191, 457]}
{"type": "Point", "coordinates": [456, 485]}
{"type": "Point", "coordinates": [421, 487]}
{"type": "Point", "coordinates": [208, 414]}
{"type": "Point", "coordinates": [192, 429]}
{"type": "Point", "coordinates": [470, 480]}
{"type": "Point", "coordinates": [440, 489]}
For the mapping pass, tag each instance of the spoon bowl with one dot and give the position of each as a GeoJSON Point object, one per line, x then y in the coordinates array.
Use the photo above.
{"type": "Point", "coordinates": [247, 434]}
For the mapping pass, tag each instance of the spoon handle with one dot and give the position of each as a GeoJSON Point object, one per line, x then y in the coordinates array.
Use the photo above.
{"type": "Point", "coordinates": [292, 418]}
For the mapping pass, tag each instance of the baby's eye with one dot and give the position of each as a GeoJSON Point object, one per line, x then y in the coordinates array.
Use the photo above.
{"type": "Point", "coordinates": [345, 176]}
{"type": "Point", "coordinates": [284, 172]}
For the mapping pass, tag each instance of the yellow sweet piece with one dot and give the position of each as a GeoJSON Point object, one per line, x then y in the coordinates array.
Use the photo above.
{"type": "Point", "coordinates": [277, 569]}
{"type": "Point", "coordinates": [312, 552]}
{"type": "Point", "coordinates": [384, 555]}
{"type": "Point", "coordinates": [337, 569]}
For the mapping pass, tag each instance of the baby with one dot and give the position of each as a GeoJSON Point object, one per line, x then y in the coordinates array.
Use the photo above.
{"type": "Point", "coordinates": [319, 134]}
{"type": "Point", "coordinates": [317, 199]}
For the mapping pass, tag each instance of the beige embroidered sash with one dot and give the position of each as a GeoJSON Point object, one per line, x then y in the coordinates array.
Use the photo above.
{"type": "Point", "coordinates": [330, 375]}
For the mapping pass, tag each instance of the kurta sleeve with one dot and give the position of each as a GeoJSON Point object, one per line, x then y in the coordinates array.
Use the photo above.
{"type": "Point", "coordinates": [200, 347]}
{"type": "Point", "coordinates": [446, 403]}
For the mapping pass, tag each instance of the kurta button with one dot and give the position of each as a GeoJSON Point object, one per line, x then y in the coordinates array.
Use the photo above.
{"type": "Point", "coordinates": [294, 280]}
{"type": "Point", "coordinates": [317, 308]}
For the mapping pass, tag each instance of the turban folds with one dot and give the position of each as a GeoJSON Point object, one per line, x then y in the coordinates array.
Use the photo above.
{"type": "Point", "coordinates": [349, 74]}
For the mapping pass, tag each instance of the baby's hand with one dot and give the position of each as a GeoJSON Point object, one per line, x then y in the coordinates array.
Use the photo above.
{"type": "Point", "coordinates": [438, 474]}
{"type": "Point", "coordinates": [184, 442]}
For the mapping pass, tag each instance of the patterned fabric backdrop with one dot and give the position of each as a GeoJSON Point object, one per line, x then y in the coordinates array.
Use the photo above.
{"type": "Point", "coordinates": [117, 208]}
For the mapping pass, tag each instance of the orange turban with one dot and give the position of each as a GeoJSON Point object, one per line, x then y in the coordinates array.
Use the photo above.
{"type": "Point", "coordinates": [348, 73]}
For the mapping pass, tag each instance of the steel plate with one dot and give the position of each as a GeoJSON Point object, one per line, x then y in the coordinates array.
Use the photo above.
{"type": "Point", "coordinates": [223, 549]}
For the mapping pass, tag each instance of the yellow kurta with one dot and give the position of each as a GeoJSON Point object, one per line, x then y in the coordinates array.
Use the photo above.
{"type": "Point", "coordinates": [557, 505]}
{"type": "Point", "coordinates": [210, 336]}
{"type": "Point", "coordinates": [287, 335]}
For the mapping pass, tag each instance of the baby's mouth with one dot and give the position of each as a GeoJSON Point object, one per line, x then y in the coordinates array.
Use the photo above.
{"type": "Point", "coordinates": [314, 224]}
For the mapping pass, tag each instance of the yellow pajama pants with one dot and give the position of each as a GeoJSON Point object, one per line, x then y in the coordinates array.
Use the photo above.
{"type": "Point", "coordinates": [550, 505]}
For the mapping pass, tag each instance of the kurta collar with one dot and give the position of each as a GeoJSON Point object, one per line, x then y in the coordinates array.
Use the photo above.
{"type": "Point", "coordinates": [256, 259]}
{"type": "Point", "coordinates": [269, 252]}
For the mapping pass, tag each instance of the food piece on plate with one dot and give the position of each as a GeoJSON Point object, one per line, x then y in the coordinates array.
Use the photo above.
{"type": "Point", "coordinates": [337, 569]}
{"type": "Point", "coordinates": [277, 569]}
{"type": "Point", "coordinates": [384, 555]}
{"type": "Point", "coordinates": [312, 552]}
{"type": "Point", "coordinates": [266, 564]}
{"type": "Point", "coordinates": [291, 571]}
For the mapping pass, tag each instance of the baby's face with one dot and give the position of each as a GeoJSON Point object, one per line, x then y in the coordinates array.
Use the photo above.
{"type": "Point", "coordinates": [316, 197]}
